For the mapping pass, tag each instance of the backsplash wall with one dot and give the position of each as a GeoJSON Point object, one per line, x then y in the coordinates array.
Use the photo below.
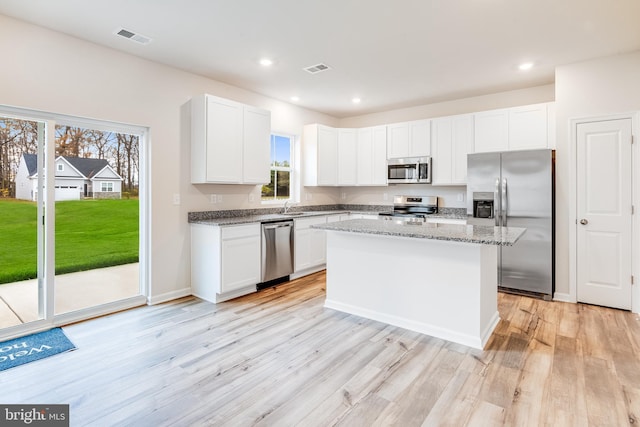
{"type": "Point", "coordinates": [447, 196]}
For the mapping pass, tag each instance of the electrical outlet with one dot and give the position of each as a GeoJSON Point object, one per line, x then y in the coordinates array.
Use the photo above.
{"type": "Point", "coordinates": [213, 199]}
{"type": "Point", "coordinates": [251, 197]}
{"type": "Point", "coordinates": [385, 196]}
{"type": "Point", "coordinates": [219, 198]}
{"type": "Point", "coordinates": [461, 197]}
{"type": "Point", "coordinates": [176, 199]}
{"type": "Point", "coordinates": [343, 196]}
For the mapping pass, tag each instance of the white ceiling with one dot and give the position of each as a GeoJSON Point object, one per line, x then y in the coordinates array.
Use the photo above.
{"type": "Point", "coordinates": [390, 53]}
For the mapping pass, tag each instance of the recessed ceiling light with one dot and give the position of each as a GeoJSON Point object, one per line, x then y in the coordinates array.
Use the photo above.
{"type": "Point", "coordinates": [356, 100]}
{"type": "Point", "coordinates": [266, 62]}
{"type": "Point", "coordinates": [295, 98]}
{"type": "Point", "coordinates": [525, 66]}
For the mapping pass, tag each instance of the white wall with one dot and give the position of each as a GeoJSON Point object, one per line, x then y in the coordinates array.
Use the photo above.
{"type": "Point", "coordinates": [603, 86]}
{"type": "Point", "coordinates": [50, 71]}
{"type": "Point", "coordinates": [512, 98]}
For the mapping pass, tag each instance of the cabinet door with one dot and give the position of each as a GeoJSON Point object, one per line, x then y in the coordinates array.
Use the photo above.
{"type": "Point", "coordinates": [347, 156]}
{"type": "Point", "coordinates": [528, 127]}
{"type": "Point", "coordinates": [397, 140]}
{"type": "Point", "coordinates": [462, 145]}
{"type": "Point", "coordinates": [256, 143]}
{"type": "Point", "coordinates": [442, 151]}
{"type": "Point", "coordinates": [310, 244]}
{"type": "Point", "coordinates": [379, 156]}
{"type": "Point", "coordinates": [223, 141]}
{"type": "Point", "coordinates": [420, 138]}
{"type": "Point", "coordinates": [491, 131]}
{"type": "Point", "coordinates": [327, 156]}
{"type": "Point", "coordinates": [240, 256]}
{"type": "Point", "coordinates": [365, 156]}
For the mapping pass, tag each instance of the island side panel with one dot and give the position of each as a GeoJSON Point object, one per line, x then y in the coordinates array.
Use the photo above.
{"type": "Point", "coordinates": [440, 288]}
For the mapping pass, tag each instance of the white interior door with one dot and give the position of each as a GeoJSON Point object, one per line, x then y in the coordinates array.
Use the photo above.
{"type": "Point", "coordinates": [604, 206]}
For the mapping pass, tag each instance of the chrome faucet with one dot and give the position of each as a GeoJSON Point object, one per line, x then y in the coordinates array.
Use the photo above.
{"type": "Point", "coordinates": [286, 206]}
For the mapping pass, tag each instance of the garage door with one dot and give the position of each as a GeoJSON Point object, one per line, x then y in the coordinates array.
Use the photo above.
{"type": "Point", "coordinates": [67, 193]}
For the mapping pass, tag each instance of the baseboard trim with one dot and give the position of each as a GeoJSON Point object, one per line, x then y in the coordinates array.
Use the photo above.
{"type": "Point", "coordinates": [560, 297]}
{"type": "Point", "coordinates": [423, 328]}
{"type": "Point", "coordinates": [169, 296]}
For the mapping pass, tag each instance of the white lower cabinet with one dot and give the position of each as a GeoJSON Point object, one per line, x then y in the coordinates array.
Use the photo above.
{"type": "Point", "coordinates": [310, 243]}
{"type": "Point", "coordinates": [225, 261]}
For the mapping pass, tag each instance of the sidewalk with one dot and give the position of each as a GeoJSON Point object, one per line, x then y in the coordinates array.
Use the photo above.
{"type": "Point", "coordinates": [73, 291]}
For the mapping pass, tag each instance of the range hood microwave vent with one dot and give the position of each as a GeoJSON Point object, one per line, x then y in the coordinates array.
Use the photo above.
{"type": "Point", "coordinates": [318, 68]}
{"type": "Point", "coordinates": [138, 38]}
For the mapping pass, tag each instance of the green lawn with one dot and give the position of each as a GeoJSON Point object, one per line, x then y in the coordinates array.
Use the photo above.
{"type": "Point", "coordinates": [89, 234]}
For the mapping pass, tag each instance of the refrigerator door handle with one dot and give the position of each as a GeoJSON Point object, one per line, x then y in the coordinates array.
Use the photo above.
{"type": "Point", "coordinates": [504, 202]}
{"type": "Point", "coordinates": [496, 204]}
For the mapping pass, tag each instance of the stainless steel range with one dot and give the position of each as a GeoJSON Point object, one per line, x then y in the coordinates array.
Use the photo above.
{"type": "Point", "coordinates": [412, 208]}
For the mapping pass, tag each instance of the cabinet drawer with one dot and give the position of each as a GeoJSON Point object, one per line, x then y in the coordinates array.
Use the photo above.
{"type": "Point", "coordinates": [240, 231]}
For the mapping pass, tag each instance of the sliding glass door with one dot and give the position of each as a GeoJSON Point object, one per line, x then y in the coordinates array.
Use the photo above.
{"type": "Point", "coordinates": [22, 299]}
{"type": "Point", "coordinates": [70, 203]}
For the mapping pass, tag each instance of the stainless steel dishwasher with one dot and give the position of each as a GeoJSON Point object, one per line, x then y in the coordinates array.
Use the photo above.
{"type": "Point", "coordinates": [277, 252]}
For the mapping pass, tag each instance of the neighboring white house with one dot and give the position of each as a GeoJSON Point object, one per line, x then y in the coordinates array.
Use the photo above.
{"type": "Point", "coordinates": [76, 178]}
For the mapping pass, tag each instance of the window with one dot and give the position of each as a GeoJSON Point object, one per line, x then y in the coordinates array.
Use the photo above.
{"type": "Point", "coordinates": [106, 186]}
{"type": "Point", "coordinates": [279, 189]}
{"type": "Point", "coordinates": [60, 167]}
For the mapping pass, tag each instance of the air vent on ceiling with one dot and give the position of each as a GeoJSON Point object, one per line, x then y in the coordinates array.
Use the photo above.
{"type": "Point", "coordinates": [318, 68]}
{"type": "Point", "coordinates": [139, 38]}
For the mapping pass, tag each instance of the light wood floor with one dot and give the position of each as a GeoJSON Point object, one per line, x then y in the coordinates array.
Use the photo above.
{"type": "Point", "coordinates": [278, 358]}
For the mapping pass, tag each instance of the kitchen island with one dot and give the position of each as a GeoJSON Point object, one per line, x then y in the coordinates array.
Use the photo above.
{"type": "Point", "coordinates": [437, 279]}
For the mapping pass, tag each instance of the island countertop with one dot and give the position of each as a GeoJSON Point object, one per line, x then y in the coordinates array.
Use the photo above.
{"type": "Point", "coordinates": [481, 234]}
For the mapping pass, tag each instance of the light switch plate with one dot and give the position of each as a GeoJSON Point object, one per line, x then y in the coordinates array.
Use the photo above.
{"type": "Point", "coordinates": [213, 199]}
{"type": "Point", "coordinates": [176, 198]}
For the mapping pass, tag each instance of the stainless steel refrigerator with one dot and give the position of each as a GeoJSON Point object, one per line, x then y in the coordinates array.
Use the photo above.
{"type": "Point", "coordinates": [516, 189]}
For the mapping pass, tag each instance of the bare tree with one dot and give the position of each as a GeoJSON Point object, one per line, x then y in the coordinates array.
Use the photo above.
{"type": "Point", "coordinates": [16, 137]}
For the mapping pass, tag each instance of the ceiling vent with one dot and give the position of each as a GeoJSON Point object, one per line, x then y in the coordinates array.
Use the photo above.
{"type": "Point", "coordinates": [138, 38]}
{"type": "Point", "coordinates": [318, 68]}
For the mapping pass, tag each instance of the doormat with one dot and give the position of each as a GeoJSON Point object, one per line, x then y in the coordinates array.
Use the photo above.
{"type": "Point", "coordinates": [23, 350]}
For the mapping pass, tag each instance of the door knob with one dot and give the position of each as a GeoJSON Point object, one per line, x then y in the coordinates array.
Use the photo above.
{"type": "Point", "coordinates": [584, 221]}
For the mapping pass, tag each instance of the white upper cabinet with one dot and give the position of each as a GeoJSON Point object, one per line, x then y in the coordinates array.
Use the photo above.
{"type": "Point", "coordinates": [528, 127]}
{"type": "Point", "coordinates": [518, 128]}
{"type": "Point", "coordinates": [347, 156]}
{"type": "Point", "coordinates": [372, 156]}
{"type": "Point", "coordinates": [398, 140]}
{"type": "Point", "coordinates": [229, 142]}
{"type": "Point", "coordinates": [409, 139]}
{"type": "Point", "coordinates": [320, 155]}
{"type": "Point", "coordinates": [452, 139]}
{"type": "Point", "coordinates": [420, 138]}
{"type": "Point", "coordinates": [491, 131]}
{"type": "Point", "coordinates": [257, 134]}
{"type": "Point", "coordinates": [344, 157]}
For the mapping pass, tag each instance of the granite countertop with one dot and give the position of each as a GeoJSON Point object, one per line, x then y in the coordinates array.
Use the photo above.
{"type": "Point", "coordinates": [260, 218]}
{"type": "Point", "coordinates": [222, 218]}
{"type": "Point", "coordinates": [488, 235]}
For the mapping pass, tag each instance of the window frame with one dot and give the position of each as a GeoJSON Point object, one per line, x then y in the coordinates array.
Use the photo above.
{"type": "Point", "coordinates": [108, 185]}
{"type": "Point", "coordinates": [291, 169]}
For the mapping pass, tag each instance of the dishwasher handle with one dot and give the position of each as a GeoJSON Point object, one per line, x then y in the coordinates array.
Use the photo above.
{"type": "Point", "coordinates": [268, 226]}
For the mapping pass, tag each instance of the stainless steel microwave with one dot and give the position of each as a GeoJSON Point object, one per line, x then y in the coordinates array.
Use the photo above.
{"type": "Point", "coordinates": [410, 170]}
